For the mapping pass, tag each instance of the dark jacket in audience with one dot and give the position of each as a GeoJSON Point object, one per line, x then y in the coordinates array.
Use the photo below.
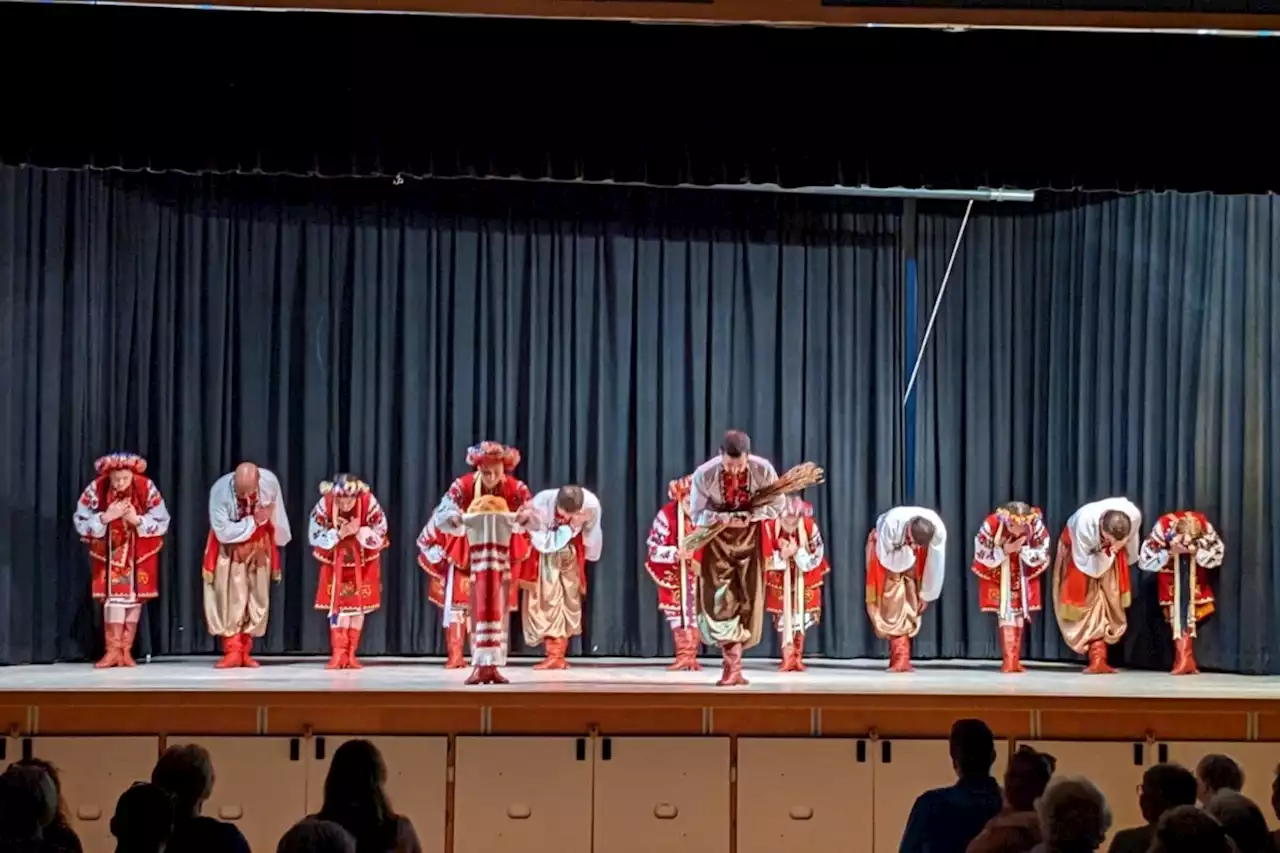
{"type": "Point", "coordinates": [945, 820]}
{"type": "Point", "coordinates": [1164, 787]}
{"type": "Point", "coordinates": [186, 772]}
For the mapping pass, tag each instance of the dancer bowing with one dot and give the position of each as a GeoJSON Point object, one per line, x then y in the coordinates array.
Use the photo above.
{"type": "Point", "coordinates": [444, 545]}
{"type": "Point", "coordinates": [1091, 585]}
{"type": "Point", "coordinates": [906, 564]}
{"type": "Point", "coordinates": [564, 529]}
{"type": "Point", "coordinates": [674, 571]}
{"type": "Point", "coordinates": [348, 532]}
{"type": "Point", "coordinates": [1185, 595]}
{"type": "Point", "coordinates": [793, 579]}
{"type": "Point", "coordinates": [731, 498]}
{"type": "Point", "coordinates": [247, 528]}
{"type": "Point", "coordinates": [121, 516]}
{"type": "Point", "coordinates": [1010, 553]}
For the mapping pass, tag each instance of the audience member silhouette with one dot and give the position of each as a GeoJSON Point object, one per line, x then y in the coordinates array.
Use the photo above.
{"type": "Point", "coordinates": [28, 802]}
{"type": "Point", "coordinates": [945, 820]}
{"type": "Point", "coordinates": [1242, 820]}
{"type": "Point", "coordinates": [186, 772]}
{"type": "Point", "coordinates": [1187, 829]}
{"type": "Point", "coordinates": [1164, 787]}
{"type": "Point", "coordinates": [1074, 817]}
{"type": "Point", "coordinates": [355, 798]}
{"type": "Point", "coordinates": [59, 832]}
{"type": "Point", "coordinates": [316, 836]}
{"type": "Point", "coordinates": [143, 820]}
{"type": "Point", "coordinates": [1017, 828]}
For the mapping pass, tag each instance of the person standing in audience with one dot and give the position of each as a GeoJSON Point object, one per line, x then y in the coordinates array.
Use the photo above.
{"type": "Point", "coordinates": [945, 820]}
{"type": "Point", "coordinates": [1164, 787]}
{"type": "Point", "coordinates": [1217, 772]}
{"type": "Point", "coordinates": [906, 564]}
{"type": "Point", "coordinates": [186, 773]}
{"type": "Point", "coordinates": [1091, 584]}
{"type": "Point", "coordinates": [1017, 828]}
{"type": "Point", "coordinates": [316, 836]}
{"type": "Point", "coordinates": [143, 822]}
{"type": "Point", "coordinates": [355, 798]}
{"type": "Point", "coordinates": [28, 803]}
{"type": "Point", "coordinates": [1242, 819]}
{"type": "Point", "coordinates": [59, 832]}
{"type": "Point", "coordinates": [1187, 829]}
{"type": "Point", "coordinates": [1074, 817]}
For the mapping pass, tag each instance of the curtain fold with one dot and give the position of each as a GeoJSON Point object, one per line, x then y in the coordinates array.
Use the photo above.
{"type": "Point", "coordinates": [1105, 346]}
{"type": "Point", "coordinates": [313, 327]}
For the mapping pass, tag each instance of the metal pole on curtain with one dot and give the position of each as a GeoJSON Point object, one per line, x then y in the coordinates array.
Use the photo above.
{"type": "Point", "coordinates": [937, 303]}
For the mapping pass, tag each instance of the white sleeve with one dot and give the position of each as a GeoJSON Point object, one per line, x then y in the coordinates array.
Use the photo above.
{"type": "Point", "coordinates": [985, 549]}
{"type": "Point", "coordinates": [593, 534]}
{"type": "Point", "coordinates": [553, 540]}
{"type": "Point", "coordinates": [156, 520]}
{"type": "Point", "coordinates": [279, 516]}
{"type": "Point", "coordinates": [935, 566]}
{"type": "Point", "coordinates": [811, 558]}
{"type": "Point", "coordinates": [227, 530]}
{"type": "Point", "coordinates": [700, 505]}
{"type": "Point", "coordinates": [892, 554]}
{"type": "Point", "coordinates": [320, 531]}
{"type": "Point", "coordinates": [1086, 550]}
{"type": "Point", "coordinates": [1209, 555]}
{"type": "Point", "coordinates": [1154, 554]}
{"type": "Point", "coordinates": [373, 535]}
{"type": "Point", "coordinates": [88, 517]}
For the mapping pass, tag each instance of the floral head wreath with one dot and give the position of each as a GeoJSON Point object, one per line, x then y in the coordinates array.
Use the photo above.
{"type": "Point", "coordinates": [344, 485]}
{"type": "Point", "coordinates": [797, 508]}
{"type": "Point", "coordinates": [120, 462]}
{"type": "Point", "coordinates": [679, 488]}
{"type": "Point", "coordinates": [493, 451]}
{"type": "Point", "coordinates": [1187, 525]}
{"type": "Point", "coordinates": [1017, 519]}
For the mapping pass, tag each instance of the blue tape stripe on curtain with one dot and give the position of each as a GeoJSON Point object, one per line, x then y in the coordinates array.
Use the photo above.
{"type": "Point", "coordinates": [1101, 346]}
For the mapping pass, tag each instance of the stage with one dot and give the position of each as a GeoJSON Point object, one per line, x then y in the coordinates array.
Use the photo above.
{"type": "Point", "coordinates": [291, 696]}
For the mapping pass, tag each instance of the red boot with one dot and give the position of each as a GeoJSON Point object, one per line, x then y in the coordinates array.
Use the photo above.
{"type": "Point", "coordinates": [337, 649]}
{"type": "Point", "coordinates": [129, 634]}
{"type": "Point", "coordinates": [1185, 656]}
{"type": "Point", "coordinates": [113, 632]}
{"type": "Point", "coordinates": [486, 675]}
{"type": "Point", "coordinates": [230, 653]}
{"type": "Point", "coordinates": [1098, 659]}
{"type": "Point", "coordinates": [732, 676]}
{"type": "Point", "coordinates": [680, 636]}
{"type": "Point", "coordinates": [353, 642]}
{"type": "Point", "coordinates": [695, 640]}
{"type": "Point", "coordinates": [797, 643]}
{"type": "Point", "coordinates": [555, 648]}
{"type": "Point", "coordinates": [455, 637]}
{"type": "Point", "coordinates": [788, 662]}
{"type": "Point", "coordinates": [900, 654]}
{"type": "Point", "coordinates": [246, 643]}
{"type": "Point", "coordinates": [1011, 649]}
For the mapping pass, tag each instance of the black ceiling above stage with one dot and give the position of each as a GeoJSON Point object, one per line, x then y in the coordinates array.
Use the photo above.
{"type": "Point", "coordinates": [382, 94]}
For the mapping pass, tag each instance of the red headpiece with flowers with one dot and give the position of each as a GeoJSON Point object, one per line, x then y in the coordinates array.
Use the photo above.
{"type": "Point", "coordinates": [1017, 515]}
{"type": "Point", "coordinates": [120, 462]}
{"type": "Point", "coordinates": [344, 485]}
{"type": "Point", "coordinates": [797, 508]}
{"type": "Point", "coordinates": [493, 451]}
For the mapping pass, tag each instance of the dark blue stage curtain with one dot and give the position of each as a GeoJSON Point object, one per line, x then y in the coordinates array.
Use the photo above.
{"type": "Point", "coordinates": [314, 326]}
{"type": "Point", "coordinates": [1097, 346]}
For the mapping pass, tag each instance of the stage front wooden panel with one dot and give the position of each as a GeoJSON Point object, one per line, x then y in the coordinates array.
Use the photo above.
{"type": "Point", "coordinates": [1116, 768]}
{"type": "Point", "coordinates": [1258, 760]}
{"type": "Point", "coordinates": [417, 780]}
{"type": "Point", "coordinates": [669, 794]}
{"type": "Point", "coordinates": [803, 794]}
{"type": "Point", "coordinates": [261, 785]}
{"type": "Point", "coordinates": [517, 794]}
{"type": "Point", "coordinates": [94, 772]}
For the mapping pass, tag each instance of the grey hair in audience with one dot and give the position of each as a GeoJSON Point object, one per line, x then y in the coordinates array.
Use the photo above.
{"type": "Point", "coordinates": [1242, 820]}
{"type": "Point", "coordinates": [1186, 829]}
{"type": "Point", "coordinates": [317, 836]}
{"type": "Point", "coordinates": [1074, 816]}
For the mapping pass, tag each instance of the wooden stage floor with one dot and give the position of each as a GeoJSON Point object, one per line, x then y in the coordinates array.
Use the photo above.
{"type": "Point", "coordinates": [628, 696]}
